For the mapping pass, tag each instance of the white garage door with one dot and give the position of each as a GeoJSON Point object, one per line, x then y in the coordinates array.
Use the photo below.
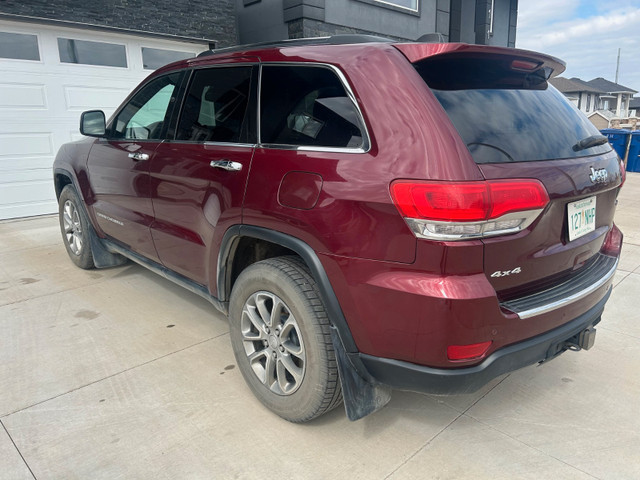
{"type": "Point", "coordinates": [48, 76]}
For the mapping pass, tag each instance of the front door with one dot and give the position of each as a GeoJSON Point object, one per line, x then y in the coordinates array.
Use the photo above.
{"type": "Point", "coordinates": [119, 165]}
{"type": "Point", "coordinates": [199, 178]}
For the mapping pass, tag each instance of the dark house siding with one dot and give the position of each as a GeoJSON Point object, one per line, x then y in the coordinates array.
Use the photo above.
{"type": "Point", "coordinates": [202, 19]}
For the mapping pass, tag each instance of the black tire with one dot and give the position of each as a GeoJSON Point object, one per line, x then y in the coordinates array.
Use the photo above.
{"type": "Point", "coordinates": [304, 383]}
{"type": "Point", "coordinates": [75, 228]}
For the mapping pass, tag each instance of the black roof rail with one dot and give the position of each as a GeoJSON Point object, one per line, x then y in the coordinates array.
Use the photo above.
{"type": "Point", "coordinates": [333, 40]}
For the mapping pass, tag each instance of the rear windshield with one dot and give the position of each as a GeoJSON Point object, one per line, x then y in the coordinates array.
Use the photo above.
{"type": "Point", "coordinates": [515, 124]}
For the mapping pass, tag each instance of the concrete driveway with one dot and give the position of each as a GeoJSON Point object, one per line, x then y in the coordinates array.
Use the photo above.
{"type": "Point", "coordinates": [120, 374]}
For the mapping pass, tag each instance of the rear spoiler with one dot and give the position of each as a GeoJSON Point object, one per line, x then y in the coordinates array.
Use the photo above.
{"type": "Point", "coordinates": [455, 66]}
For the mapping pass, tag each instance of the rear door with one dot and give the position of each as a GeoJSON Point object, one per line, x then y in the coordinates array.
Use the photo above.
{"type": "Point", "coordinates": [198, 178]}
{"type": "Point", "coordinates": [516, 125]}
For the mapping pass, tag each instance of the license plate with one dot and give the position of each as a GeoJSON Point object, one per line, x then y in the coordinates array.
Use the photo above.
{"type": "Point", "coordinates": [582, 217]}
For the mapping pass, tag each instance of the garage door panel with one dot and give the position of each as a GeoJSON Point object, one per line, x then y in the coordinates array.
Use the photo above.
{"type": "Point", "coordinates": [29, 209]}
{"type": "Point", "coordinates": [41, 102]}
{"type": "Point", "coordinates": [23, 165]}
{"type": "Point", "coordinates": [22, 177]}
{"type": "Point", "coordinates": [35, 190]}
{"type": "Point", "coordinates": [22, 97]}
{"type": "Point", "coordinates": [26, 144]}
{"type": "Point", "coordinates": [81, 98]}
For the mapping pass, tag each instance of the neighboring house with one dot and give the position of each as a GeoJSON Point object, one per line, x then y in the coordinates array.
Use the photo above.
{"type": "Point", "coordinates": [61, 57]}
{"type": "Point", "coordinates": [634, 107]}
{"type": "Point", "coordinates": [583, 95]}
{"type": "Point", "coordinates": [606, 104]}
{"type": "Point", "coordinates": [486, 22]}
{"type": "Point", "coordinates": [615, 97]}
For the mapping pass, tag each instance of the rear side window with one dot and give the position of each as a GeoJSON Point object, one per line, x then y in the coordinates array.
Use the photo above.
{"type": "Point", "coordinates": [507, 116]}
{"type": "Point", "coordinates": [307, 106]}
{"type": "Point", "coordinates": [215, 106]}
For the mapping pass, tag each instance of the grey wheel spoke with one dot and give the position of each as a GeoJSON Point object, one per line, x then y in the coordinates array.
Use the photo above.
{"type": "Point", "coordinates": [276, 312]}
{"type": "Point", "coordinates": [255, 320]}
{"type": "Point", "coordinates": [286, 364]}
{"type": "Point", "coordinates": [78, 241]}
{"type": "Point", "coordinates": [270, 372]}
{"type": "Point", "coordinates": [257, 355]}
{"type": "Point", "coordinates": [255, 361]}
{"type": "Point", "coordinates": [288, 334]}
{"type": "Point", "coordinates": [293, 349]}
{"type": "Point", "coordinates": [68, 223]}
{"type": "Point", "coordinates": [261, 304]}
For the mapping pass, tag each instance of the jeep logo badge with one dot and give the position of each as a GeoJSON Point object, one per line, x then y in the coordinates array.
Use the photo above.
{"type": "Point", "coordinates": [598, 176]}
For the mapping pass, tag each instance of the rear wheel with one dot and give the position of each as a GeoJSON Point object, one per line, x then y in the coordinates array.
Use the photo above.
{"type": "Point", "coordinates": [281, 339]}
{"type": "Point", "coordinates": [74, 226]}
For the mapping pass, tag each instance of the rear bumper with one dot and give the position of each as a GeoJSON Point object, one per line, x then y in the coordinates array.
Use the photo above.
{"type": "Point", "coordinates": [408, 376]}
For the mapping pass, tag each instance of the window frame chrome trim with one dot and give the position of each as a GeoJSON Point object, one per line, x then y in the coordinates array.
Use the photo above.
{"type": "Point", "coordinates": [366, 138]}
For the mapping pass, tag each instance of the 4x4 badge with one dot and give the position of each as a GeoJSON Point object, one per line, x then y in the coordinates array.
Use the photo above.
{"type": "Point", "coordinates": [598, 176]}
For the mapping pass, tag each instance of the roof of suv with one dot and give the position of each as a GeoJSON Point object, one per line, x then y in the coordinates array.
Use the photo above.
{"type": "Point", "coordinates": [348, 48]}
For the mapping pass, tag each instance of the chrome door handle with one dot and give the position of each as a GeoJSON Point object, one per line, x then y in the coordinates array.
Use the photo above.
{"type": "Point", "coordinates": [226, 165]}
{"type": "Point", "coordinates": [139, 156]}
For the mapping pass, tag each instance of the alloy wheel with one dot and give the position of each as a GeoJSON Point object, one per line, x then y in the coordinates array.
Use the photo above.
{"type": "Point", "coordinates": [273, 343]}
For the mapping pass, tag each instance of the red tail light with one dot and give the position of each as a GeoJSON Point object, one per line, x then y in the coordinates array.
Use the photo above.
{"type": "Point", "coordinates": [467, 352]}
{"type": "Point", "coordinates": [613, 242]}
{"type": "Point", "coordinates": [467, 201]}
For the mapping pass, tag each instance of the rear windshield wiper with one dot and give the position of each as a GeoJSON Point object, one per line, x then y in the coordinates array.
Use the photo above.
{"type": "Point", "coordinates": [592, 141]}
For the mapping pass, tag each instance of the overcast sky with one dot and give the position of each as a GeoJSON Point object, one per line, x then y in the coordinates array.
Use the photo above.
{"type": "Point", "coordinates": [586, 34]}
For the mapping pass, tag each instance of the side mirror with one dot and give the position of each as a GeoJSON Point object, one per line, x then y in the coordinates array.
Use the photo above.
{"type": "Point", "coordinates": [93, 123]}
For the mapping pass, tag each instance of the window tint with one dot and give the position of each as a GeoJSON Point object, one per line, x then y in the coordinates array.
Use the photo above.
{"type": "Point", "coordinates": [215, 106]}
{"type": "Point", "coordinates": [19, 45]}
{"type": "Point", "coordinates": [145, 116]}
{"type": "Point", "coordinates": [92, 53]}
{"type": "Point", "coordinates": [518, 125]}
{"type": "Point", "coordinates": [307, 106]}
{"type": "Point", "coordinates": [153, 58]}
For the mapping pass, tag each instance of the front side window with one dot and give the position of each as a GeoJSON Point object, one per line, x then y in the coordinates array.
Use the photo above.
{"type": "Point", "coordinates": [307, 106]}
{"type": "Point", "coordinates": [19, 46]}
{"type": "Point", "coordinates": [216, 105]}
{"type": "Point", "coordinates": [145, 116]}
{"type": "Point", "coordinates": [92, 53]}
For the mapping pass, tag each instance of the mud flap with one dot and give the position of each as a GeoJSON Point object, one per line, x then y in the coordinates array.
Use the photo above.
{"type": "Point", "coordinates": [103, 258]}
{"type": "Point", "coordinates": [361, 397]}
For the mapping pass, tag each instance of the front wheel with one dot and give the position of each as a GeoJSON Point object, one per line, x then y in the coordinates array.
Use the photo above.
{"type": "Point", "coordinates": [281, 339]}
{"type": "Point", "coordinates": [74, 226]}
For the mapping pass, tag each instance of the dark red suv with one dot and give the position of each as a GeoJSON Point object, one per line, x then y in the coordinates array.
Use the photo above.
{"type": "Point", "coordinates": [370, 215]}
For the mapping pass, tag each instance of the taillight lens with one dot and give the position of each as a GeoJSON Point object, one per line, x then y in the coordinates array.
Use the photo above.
{"type": "Point", "coordinates": [467, 352]}
{"type": "Point", "coordinates": [458, 210]}
{"type": "Point", "coordinates": [613, 242]}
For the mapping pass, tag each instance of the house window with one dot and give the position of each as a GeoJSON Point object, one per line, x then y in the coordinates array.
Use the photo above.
{"type": "Point", "coordinates": [92, 53]}
{"type": "Point", "coordinates": [408, 4]}
{"type": "Point", "coordinates": [153, 58]}
{"type": "Point", "coordinates": [588, 102]}
{"type": "Point", "coordinates": [19, 45]}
